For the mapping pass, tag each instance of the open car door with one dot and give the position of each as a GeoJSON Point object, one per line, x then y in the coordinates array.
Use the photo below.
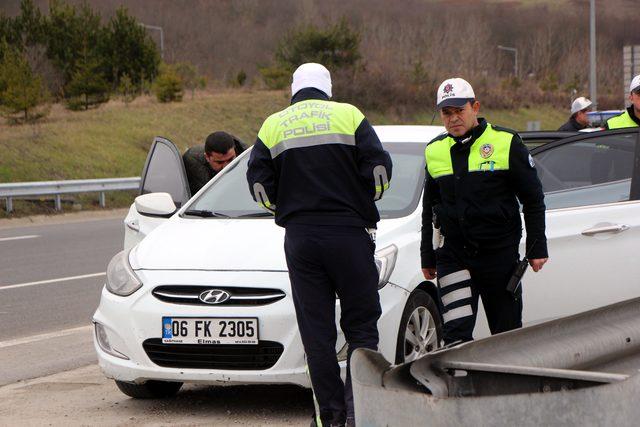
{"type": "Point", "coordinates": [163, 172]}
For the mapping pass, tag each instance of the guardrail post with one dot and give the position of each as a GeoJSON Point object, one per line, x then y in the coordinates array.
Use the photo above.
{"type": "Point", "coordinates": [9, 205]}
{"type": "Point", "coordinates": [103, 202]}
{"type": "Point", "coordinates": [58, 203]}
{"type": "Point", "coordinates": [533, 125]}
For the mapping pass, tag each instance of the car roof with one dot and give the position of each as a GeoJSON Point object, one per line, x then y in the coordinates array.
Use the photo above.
{"type": "Point", "coordinates": [604, 112]}
{"type": "Point", "coordinates": [545, 134]}
{"type": "Point", "coordinates": [408, 133]}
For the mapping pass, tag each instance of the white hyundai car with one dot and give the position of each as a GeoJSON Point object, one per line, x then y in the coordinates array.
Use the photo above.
{"type": "Point", "coordinates": [205, 296]}
{"type": "Point", "coordinates": [201, 292]}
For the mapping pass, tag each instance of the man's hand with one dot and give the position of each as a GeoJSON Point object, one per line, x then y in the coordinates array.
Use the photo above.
{"type": "Point", "coordinates": [429, 273]}
{"type": "Point", "coordinates": [536, 264]}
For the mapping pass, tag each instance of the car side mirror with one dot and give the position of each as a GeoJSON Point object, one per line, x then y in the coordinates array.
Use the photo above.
{"type": "Point", "coordinates": [155, 204]}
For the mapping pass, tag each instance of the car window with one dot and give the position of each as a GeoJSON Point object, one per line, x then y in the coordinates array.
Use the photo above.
{"type": "Point", "coordinates": [406, 181]}
{"type": "Point", "coordinates": [164, 172]}
{"type": "Point", "coordinates": [589, 171]}
{"type": "Point", "coordinates": [229, 194]}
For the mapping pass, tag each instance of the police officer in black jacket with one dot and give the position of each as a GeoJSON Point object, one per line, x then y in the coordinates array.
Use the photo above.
{"type": "Point", "coordinates": [476, 174]}
{"type": "Point", "coordinates": [320, 167]}
{"type": "Point", "coordinates": [579, 119]}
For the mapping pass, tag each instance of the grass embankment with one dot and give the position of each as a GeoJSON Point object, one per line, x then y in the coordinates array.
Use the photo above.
{"type": "Point", "coordinates": [113, 140]}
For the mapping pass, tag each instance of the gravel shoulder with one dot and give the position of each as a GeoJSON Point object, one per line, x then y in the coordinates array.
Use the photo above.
{"type": "Point", "coordinates": [84, 396]}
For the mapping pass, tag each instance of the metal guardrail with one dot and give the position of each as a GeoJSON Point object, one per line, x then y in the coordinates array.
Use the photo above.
{"type": "Point", "coordinates": [12, 190]}
{"type": "Point", "coordinates": [576, 370]}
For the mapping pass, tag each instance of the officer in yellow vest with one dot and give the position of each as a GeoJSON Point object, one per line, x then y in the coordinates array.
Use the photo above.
{"type": "Point", "coordinates": [320, 167]}
{"type": "Point", "coordinates": [476, 174]}
{"type": "Point", "coordinates": [630, 118]}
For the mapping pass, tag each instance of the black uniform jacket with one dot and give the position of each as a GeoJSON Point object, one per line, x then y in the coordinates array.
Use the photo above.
{"type": "Point", "coordinates": [331, 184]}
{"type": "Point", "coordinates": [572, 125]}
{"type": "Point", "coordinates": [479, 210]}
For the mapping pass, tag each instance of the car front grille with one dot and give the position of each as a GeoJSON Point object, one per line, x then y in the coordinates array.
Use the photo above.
{"type": "Point", "coordinates": [214, 356]}
{"type": "Point", "coordinates": [188, 294]}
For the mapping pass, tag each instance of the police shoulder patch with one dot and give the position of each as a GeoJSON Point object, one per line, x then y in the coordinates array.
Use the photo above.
{"type": "Point", "coordinates": [531, 162]}
{"type": "Point", "coordinates": [486, 150]}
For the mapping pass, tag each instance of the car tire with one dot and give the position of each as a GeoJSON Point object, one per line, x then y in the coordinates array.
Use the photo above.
{"type": "Point", "coordinates": [419, 306]}
{"type": "Point", "coordinates": [150, 389]}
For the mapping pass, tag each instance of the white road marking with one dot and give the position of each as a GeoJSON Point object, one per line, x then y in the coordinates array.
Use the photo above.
{"type": "Point", "coordinates": [34, 338]}
{"type": "Point", "coordinates": [30, 236]}
{"type": "Point", "coordinates": [44, 282]}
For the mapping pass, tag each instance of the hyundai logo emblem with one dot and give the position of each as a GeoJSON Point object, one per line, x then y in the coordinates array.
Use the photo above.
{"type": "Point", "coordinates": [214, 296]}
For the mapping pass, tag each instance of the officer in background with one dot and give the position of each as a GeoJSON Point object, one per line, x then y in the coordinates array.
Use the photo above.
{"type": "Point", "coordinates": [203, 162]}
{"type": "Point", "coordinates": [630, 118]}
{"type": "Point", "coordinates": [579, 119]}
{"type": "Point", "coordinates": [323, 166]}
{"type": "Point", "coordinates": [475, 175]}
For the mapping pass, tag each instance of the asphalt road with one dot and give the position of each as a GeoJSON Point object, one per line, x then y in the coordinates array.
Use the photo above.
{"type": "Point", "coordinates": [47, 251]}
{"type": "Point", "coordinates": [51, 275]}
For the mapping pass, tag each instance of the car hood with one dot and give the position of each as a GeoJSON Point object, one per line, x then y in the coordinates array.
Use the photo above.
{"type": "Point", "coordinates": [222, 244]}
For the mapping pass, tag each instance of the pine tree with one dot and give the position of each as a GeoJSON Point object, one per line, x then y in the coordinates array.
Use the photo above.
{"type": "Point", "coordinates": [168, 86]}
{"type": "Point", "coordinates": [21, 91]}
{"type": "Point", "coordinates": [87, 87]}
{"type": "Point", "coordinates": [128, 49]}
{"type": "Point", "coordinates": [126, 89]}
{"type": "Point", "coordinates": [188, 73]}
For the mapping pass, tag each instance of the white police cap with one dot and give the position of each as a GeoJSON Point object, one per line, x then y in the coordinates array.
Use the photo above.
{"type": "Point", "coordinates": [455, 92]}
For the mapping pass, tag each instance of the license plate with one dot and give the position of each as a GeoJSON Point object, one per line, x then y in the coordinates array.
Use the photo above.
{"type": "Point", "coordinates": [209, 330]}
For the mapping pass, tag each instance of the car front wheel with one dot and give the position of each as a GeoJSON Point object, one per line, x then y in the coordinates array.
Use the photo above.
{"type": "Point", "coordinates": [150, 389]}
{"type": "Point", "coordinates": [420, 328]}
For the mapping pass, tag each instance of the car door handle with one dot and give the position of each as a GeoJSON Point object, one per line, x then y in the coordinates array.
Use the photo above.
{"type": "Point", "coordinates": [612, 228]}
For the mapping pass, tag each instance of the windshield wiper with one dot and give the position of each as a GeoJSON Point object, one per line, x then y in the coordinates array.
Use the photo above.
{"type": "Point", "coordinates": [256, 215]}
{"type": "Point", "coordinates": [205, 213]}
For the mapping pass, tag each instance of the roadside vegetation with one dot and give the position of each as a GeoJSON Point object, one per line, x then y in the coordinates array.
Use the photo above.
{"type": "Point", "coordinates": [113, 141]}
{"type": "Point", "coordinates": [84, 88]}
{"type": "Point", "coordinates": [404, 48]}
{"type": "Point", "coordinates": [73, 56]}
{"type": "Point", "coordinates": [389, 56]}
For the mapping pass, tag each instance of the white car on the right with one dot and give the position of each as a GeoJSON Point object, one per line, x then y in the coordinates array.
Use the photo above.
{"type": "Point", "coordinates": [592, 193]}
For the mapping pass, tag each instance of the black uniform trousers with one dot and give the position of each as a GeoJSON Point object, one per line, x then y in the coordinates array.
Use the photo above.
{"type": "Point", "coordinates": [324, 261]}
{"type": "Point", "coordinates": [463, 276]}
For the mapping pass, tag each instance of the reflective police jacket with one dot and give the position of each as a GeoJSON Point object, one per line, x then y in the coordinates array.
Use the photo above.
{"type": "Point", "coordinates": [627, 119]}
{"type": "Point", "coordinates": [319, 162]}
{"type": "Point", "coordinates": [473, 185]}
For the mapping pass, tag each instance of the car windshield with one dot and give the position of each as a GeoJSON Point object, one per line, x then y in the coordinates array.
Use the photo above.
{"type": "Point", "coordinates": [229, 196]}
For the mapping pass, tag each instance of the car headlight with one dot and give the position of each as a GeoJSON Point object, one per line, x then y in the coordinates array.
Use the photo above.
{"type": "Point", "coordinates": [121, 280]}
{"type": "Point", "coordinates": [103, 341]}
{"type": "Point", "coordinates": [385, 262]}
